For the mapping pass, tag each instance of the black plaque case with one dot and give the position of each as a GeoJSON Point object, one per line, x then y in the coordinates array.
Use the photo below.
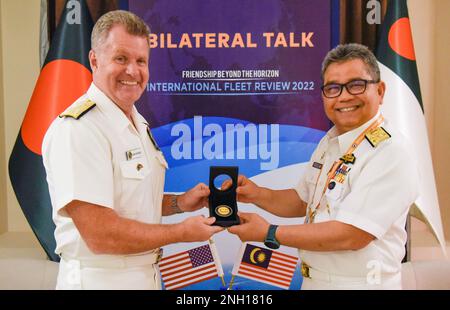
{"type": "Point", "coordinates": [223, 204]}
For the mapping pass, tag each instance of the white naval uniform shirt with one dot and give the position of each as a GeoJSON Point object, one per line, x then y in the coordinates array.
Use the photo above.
{"type": "Point", "coordinates": [375, 197]}
{"type": "Point", "coordinates": [86, 159]}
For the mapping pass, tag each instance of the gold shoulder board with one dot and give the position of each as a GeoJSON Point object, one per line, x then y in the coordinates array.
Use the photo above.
{"type": "Point", "coordinates": [78, 111]}
{"type": "Point", "coordinates": [377, 135]}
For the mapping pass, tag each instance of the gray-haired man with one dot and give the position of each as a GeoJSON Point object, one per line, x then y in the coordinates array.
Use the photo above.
{"type": "Point", "coordinates": [106, 173]}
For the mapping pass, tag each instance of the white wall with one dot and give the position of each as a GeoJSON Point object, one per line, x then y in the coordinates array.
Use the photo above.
{"type": "Point", "coordinates": [441, 121]}
{"type": "Point", "coordinates": [422, 16]}
{"type": "Point", "coordinates": [3, 206]}
{"type": "Point", "coordinates": [20, 58]}
{"type": "Point", "coordinates": [430, 22]}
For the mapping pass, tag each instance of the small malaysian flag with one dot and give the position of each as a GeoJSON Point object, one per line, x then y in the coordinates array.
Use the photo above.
{"type": "Point", "coordinates": [188, 267]}
{"type": "Point", "coordinates": [264, 265]}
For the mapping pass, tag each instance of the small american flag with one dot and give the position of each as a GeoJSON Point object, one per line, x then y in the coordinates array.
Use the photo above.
{"type": "Point", "coordinates": [267, 266]}
{"type": "Point", "coordinates": [189, 267]}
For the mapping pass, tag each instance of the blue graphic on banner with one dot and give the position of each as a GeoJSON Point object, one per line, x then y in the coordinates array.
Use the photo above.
{"type": "Point", "coordinates": [192, 146]}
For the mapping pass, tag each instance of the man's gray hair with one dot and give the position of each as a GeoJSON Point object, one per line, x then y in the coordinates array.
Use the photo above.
{"type": "Point", "coordinates": [133, 24]}
{"type": "Point", "coordinates": [351, 51]}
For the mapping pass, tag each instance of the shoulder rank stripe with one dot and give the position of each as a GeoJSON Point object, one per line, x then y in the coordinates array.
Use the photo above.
{"type": "Point", "coordinates": [79, 110]}
{"type": "Point", "coordinates": [377, 135]}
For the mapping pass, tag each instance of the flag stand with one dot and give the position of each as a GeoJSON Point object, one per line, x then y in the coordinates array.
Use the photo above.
{"type": "Point", "coordinates": [212, 245]}
{"type": "Point", "coordinates": [223, 281]}
{"type": "Point", "coordinates": [230, 287]}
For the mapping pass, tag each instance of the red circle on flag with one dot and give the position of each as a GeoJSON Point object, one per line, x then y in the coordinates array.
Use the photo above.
{"type": "Point", "coordinates": [400, 38]}
{"type": "Point", "coordinates": [60, 83]}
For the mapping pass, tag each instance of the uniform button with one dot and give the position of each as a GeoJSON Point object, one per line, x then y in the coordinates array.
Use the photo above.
{"type": "Point", "coordinates": [139, 167]}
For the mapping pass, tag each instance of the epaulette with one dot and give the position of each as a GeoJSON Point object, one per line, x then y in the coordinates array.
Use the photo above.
{"type": "Point", "coordinates": [78, 111]}
{"type": "Point", "coordinates": [377, 135]}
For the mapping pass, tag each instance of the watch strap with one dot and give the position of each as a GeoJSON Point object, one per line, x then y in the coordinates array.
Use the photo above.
{"type": "Point", "coordinates": [271, 232]}
{"type": "Point", "coordinates": [174, 204]}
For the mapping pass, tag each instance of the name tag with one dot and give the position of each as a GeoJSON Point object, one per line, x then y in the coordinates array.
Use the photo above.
{"type": "Point", "coordinates": [133, 154]}
{"type": "Point", "coordinates": [317, 165]}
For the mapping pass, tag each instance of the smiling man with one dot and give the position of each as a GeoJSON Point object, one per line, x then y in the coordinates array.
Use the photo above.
{"type": "Point", "coordinates": [106, 173]}
{"type": "Point", "coordinates": [355, 192]}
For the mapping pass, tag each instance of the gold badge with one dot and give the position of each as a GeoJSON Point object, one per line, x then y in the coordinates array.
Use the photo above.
{"type": "Point", "coordinates": [78, 111]}
{"type": "Point", "coordinates": [348, 158]}
{"type": "Point", "coordinates": [377, 135]}
{"type": "Point", "coordinates": [224, 210]}
{"type": "Point", "coordinates": [305, 270]}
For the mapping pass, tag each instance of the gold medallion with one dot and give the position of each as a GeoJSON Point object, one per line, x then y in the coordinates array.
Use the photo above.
{"type": "Point", "coordinates": [223, 210]}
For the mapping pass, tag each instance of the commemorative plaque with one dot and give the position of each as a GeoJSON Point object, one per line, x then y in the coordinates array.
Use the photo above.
{"type": "Point", "coordinates": [222, 197]}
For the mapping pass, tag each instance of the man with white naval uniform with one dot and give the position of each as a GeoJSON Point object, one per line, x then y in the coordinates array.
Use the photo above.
{"type": "Point", "coordinates": [356, 190]}
{"type": "Point", "coordinates": [106, 173]}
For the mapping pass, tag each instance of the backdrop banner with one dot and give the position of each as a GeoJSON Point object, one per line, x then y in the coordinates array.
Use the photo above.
{"type": "Point", "coordinates": [235, 83]}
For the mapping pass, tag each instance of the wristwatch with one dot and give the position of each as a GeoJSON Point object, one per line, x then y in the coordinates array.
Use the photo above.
{"type": "Point", "coordinates": [174, 204]}
{"type": "Point", "coordinates": [271, 241]}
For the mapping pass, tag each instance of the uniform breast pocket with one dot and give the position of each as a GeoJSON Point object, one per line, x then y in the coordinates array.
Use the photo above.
{"type": "Point", "coordinates": [312, 175]}
{"type": "Point", "coordinates": [310, 182]}
{"type": "Point", "coordinates": [134, 184]}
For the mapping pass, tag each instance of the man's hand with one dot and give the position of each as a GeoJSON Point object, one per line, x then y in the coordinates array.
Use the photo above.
{"type": "Point", "coordinates": [194, 199]}
{"type": "Point", "coordinates": [252, 228]}
{"type": "Point", "coordinates": [247, 191]}
{"type": "Point", "coordinates": [199, 228]}
{"type": "Point", "coordinates": [105, 232]}
{"type": "Point", "coordinates": [284, 203]}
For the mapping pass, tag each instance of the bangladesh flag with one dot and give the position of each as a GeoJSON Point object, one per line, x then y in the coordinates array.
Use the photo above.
{"type": "Point", "coordinates": [404, 109]}
{"type": "Point", "coordinates": [64, 77]}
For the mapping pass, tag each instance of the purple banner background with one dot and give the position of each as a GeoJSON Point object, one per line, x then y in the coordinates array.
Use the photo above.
{"type": "Point", "coordinates": [235, 16]}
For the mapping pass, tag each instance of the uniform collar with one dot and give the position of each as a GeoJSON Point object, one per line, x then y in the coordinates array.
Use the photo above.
{"type": "Point", "coordinates": [139, 121]}
{"type": "Point", "coordinates": [111, 110]}
{"type": "Point", "coordinates": [346, 139]}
